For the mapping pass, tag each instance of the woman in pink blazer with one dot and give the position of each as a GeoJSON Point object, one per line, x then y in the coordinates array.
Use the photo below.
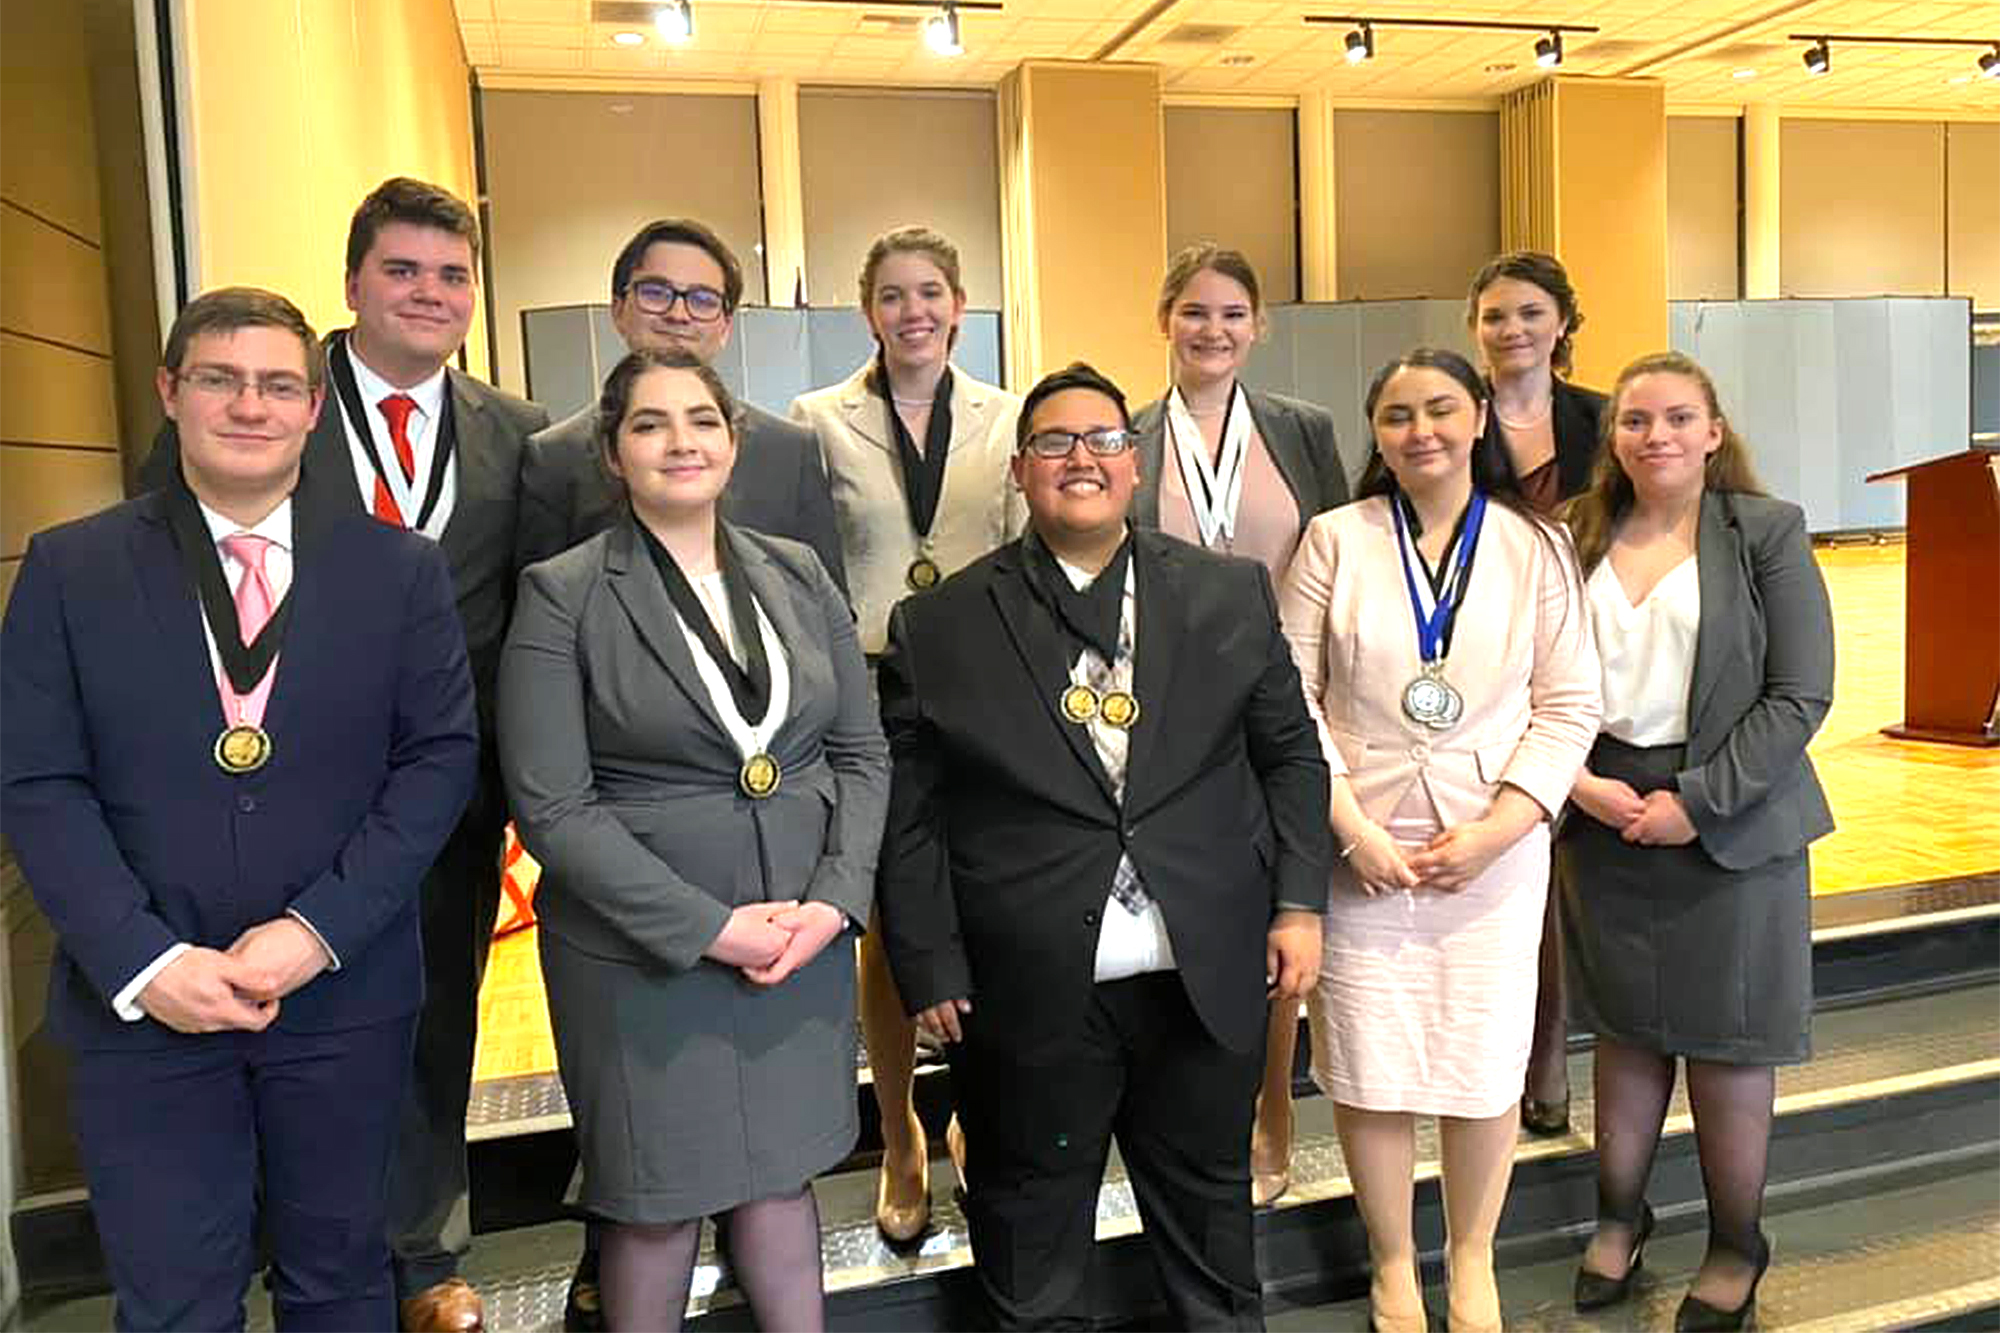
{"type": "Point", "coordinates": [1441, 632]}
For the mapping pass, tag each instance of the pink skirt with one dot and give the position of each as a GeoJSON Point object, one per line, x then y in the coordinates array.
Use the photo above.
{"type": "Point", "coordinates": [1426, 999]}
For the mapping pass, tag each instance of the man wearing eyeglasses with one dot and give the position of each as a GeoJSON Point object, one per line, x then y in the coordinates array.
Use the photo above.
{"type": "Point", "coordinates": [676, 286]}
{"type": "Point", "coordinates": [413, 441]}
{"type": "Point", "coordinates": [239, 729]}
{"type": "Point", "coordinates": [1107, 847]}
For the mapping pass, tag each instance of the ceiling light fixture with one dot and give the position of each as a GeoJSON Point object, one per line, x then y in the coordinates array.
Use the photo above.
{"type": "Point", "coordinates": [629, 38]}
{"type": "Point", "coordinates": [1989, 64]}
{"type": "Point", "coordinates": [1819, 55]}
{"type": "Point", "coordinates": [1549, 50]}
{"type": "Point", "coordinates": [676, 21]}
{"type": "Point", "coordinates": [1743, 74]}
{"type": "Point", "coordinates": [1818, 58]}
{"type": "Point", "coordinates": [941, 32]}
{"type": "Point", "coordinates": [1360, 40]}
{"type": "Point", "coordinates": [1361, 44]}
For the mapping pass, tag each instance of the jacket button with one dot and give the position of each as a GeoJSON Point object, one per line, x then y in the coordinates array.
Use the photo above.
{"type": "Point", "coordinates": [1420, 752]}
{"type": "Point", "coordinates": [1090, 918]}
{"type": "Point", "coordinates": [247, 804]}
{"type": "Point", "coordinates": [1129, 832]}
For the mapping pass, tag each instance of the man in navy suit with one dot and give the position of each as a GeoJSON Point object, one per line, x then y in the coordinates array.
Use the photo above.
{"type": "Point", "coordinates": [238, 730]}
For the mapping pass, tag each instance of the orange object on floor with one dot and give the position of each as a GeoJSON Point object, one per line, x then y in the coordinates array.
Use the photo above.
{"type": "Point", "coordinates": [518, 877]}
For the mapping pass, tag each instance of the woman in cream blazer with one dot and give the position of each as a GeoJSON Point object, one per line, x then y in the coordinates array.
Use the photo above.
{"type": "Point", "coordinates": [917, 452]}
{"type": "Point", "coordinates": [1444, 784]}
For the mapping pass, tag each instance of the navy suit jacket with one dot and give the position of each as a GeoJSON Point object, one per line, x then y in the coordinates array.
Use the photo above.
{"type": "Point", "coordinates": [132, 839]}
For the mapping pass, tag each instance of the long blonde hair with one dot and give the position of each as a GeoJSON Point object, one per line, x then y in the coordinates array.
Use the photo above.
{"type": "Point", "coordinates": [1593, 515]}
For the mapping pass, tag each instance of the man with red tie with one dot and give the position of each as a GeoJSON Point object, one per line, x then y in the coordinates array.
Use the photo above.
{"type": "Point", "coordinates": [421, 445]}
{"type": "Point", "coordinates": [239, 729]}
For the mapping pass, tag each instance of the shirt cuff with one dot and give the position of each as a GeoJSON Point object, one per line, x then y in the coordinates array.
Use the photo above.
{"type": "Point", "coordinates": [125, 1003]}
{"type": "Point", "coordinates": [332, 958]}
{"type": "Point", "coordinates": [1314, 909]}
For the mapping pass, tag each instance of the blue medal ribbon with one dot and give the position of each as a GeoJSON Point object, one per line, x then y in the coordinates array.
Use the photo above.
{"type": "Point", "coordinates": [1432, 629]}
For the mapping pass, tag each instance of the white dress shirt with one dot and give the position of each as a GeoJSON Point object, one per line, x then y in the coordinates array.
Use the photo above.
{"type": "Point", "coordinates": [276, 529]}
{"type": "Point", "coordinates": [1128, 943]}
{"type": "Point", "coordinates": [423, 435]}
{"type": "Point", "coordinates": [1646, 652]}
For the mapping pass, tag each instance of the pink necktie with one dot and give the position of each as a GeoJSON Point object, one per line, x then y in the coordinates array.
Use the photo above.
{"type": "Point", "coordinates": [253, 609]}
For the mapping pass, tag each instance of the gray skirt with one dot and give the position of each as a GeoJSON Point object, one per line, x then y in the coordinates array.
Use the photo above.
{"type": "Point", "coordinates": [1671, 952]}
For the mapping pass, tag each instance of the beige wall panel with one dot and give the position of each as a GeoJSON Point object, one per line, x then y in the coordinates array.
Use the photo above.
{"type": "Point", "coordinates": [1232, 178]}
{"type": "Point", "coordinates": [854, 191]}
{"type": "Point", "coordinates": [10, 566]}
{"type": "Point", "coordinates": [1418, 200]}
{"type": "Point", "coordinates": [1972, 241]}
{"type": "Point", "coordinates": [52, 395]}
{"type": "Point", "coordinates": [1611, 163]}
{"type": "Point", "coordinates": [40, 488]}
{"type": "Point", "coordinates": [570, 178]}
{"type": "Point", "coordinates": [1861, 208]}
{"type": "Point", "coordinates": [52, 284]}
{"type": "Point", "coordinates": [1702, 208]}
{"type": "Point", "coordinates": [1095, 265]}
{"type": "Point", "coordinates": [45, 106]}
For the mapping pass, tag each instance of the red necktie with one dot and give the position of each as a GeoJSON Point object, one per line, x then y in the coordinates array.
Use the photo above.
{"type": "Point", "coordinates": [253, 609]}
{"type": "Point", "coordinates": [396, 409]}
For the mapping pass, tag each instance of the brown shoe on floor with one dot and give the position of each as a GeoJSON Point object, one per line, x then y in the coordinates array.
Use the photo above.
{"type": "Point", "coordinates": [452, 1306]}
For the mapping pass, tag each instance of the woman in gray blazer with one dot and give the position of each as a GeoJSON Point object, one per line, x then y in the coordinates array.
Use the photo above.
{"type": "Point", "coordinates": [692, 753]}
{"type": "Point", "coordinates": [1240, 471]}
{"type": "Point", "coordinates": [1686, 893]}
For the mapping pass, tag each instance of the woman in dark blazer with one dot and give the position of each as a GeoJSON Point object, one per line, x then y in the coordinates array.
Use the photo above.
{"type": "Point", "coordinates": [692, 753]}
{"type": "Point", "coordinates": [1683, 872]}
{"type": "Point", "coordinates": [1241, 471]}
{"type": "Point", "coordinates": [1524, 315]}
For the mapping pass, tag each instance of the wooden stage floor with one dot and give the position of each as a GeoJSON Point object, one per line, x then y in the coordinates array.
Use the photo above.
{"type": "Point", "coordinates": [1907, 813]}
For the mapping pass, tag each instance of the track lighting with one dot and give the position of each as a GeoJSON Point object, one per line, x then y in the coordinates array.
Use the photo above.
{"type": "Point", "coordinates": [1989, 64]}
{"type": "Point", "coordinates": [941, 32]}
{"type": "Point", "coordinates": [675, 20]}
{"type": "Point", "coordinates": [1549, 49]}
{"type": "Point", "coordinates": [1818, 58]}
{"type": "Point", "coordinates": [1360, 40]}
{"type": "Point", "coordinates": [1361, 44]}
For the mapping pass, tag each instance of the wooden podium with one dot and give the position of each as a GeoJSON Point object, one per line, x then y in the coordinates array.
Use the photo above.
{"type": "Point", "coordinates": [1951, 646]}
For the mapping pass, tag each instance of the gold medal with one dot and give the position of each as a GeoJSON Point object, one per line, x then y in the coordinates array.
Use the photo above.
{"type": "Point", "coordinates": [1119, 709]}
{"type": "Point", "coordinates": [1079, 703]}
{"type": "Point", "coordinates": [760, 776]}
{"type": "Point", "coordinates": [242, 749]}
{"type": "Point", "coordinates": [923, 574]}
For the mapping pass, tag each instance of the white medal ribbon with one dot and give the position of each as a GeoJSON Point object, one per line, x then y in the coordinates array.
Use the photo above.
{"type": "Point", "coordinates": [1448, 560]}
{"type": "Point", "coordinates": [1213, 489]}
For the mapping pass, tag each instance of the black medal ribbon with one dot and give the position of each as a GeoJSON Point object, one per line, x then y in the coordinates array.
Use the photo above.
{"type": "Point", "coordinates": [750, 679]}
{"type": "Point", "coordinates": [340, 369]}
{"type": "Point", "coordinates": [1090, 617]}
{"type": "Point", "coordinates": [923, 473]}
{"type": "Point", "coordinates": [244, 664]}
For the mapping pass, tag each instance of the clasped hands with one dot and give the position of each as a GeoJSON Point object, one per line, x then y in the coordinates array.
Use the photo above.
{"type": "Point", "coordinates": [1657, 819]}
{"type": "Point", "coordinates": [1448, 862]}
{"type": "Point", "coordinates": [212, 990]}
{"type": "Point", "coordinates": [767, 942]}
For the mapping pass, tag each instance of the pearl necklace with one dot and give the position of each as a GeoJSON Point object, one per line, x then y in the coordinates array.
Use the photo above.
{"type": "Point", "coordinates": [910, 402]}
{"type": "Point", "coordinates": [1524, 423]}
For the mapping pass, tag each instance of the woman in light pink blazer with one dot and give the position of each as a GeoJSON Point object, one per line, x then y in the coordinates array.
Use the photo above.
{"type": "Point", "coordinates": [1440, 629]}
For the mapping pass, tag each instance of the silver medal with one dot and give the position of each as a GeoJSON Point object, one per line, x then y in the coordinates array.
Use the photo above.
{"type": "Point", "coordinates": [1431, 701]}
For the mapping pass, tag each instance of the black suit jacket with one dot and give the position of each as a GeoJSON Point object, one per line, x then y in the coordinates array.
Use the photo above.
{"type": "Point", "coordinates": [478, 541]}
{"type": "Point", "coordinates": [1300, 438]}
{"type": "Point", "coordinates": [1003, 833]}
{"type": "Point", "coordinates": [779, 488]}
{"type": "Point", "coordinates": [1578, 416]}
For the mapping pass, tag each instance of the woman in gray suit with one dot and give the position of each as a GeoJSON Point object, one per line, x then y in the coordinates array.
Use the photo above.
{"type": "Point", "coordinates": [1240, 471]}
{"type": "Point", "coordinates": [1686, 897]}
{"type": "Point", "coordinates": [691, 751]}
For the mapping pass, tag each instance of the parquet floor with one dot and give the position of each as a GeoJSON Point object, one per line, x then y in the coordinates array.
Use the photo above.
{"type": "Point", "coordinates": [1906, 812]}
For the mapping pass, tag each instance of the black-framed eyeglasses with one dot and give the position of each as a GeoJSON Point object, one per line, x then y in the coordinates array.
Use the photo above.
{"type": "Point", "coordinates": [656, 296]}
{"type": "Point", "coordinates": [1053, 444]}
{"type": "Point", "coordinates": [228, 384]}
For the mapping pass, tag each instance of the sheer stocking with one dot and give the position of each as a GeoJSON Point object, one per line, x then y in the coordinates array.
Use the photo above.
{"type": "Point", "coordinates": [645, 1272]}
{"type": "Point", "coordinates": [1478, 1159]}
{"type": "Point", "coordinates": [1732, 1128]}
{"type": "Point", "coordinates": [1632, 1087]}
{"type": "Point", "coordinates": [1380, 1148]}
{"type": "Point", "coordinates": [774, 1246]}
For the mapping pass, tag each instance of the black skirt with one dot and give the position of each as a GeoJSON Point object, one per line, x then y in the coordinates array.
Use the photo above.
{"type": "Point", "coordinates": [1671, 952]}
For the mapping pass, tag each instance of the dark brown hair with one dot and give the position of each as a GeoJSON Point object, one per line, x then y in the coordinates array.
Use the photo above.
{"type": "Point", "coordinates": [227, 309]}
{"type": "Point", "coordinates": [419, 203]}
{"type": "Point", "coordinates": [1075, 375]}
{"type": "Point", "coordinates": [1593, 515]}
{"type": "Point", "coordinates": [1181, 270]}
{"type": "Point", "coordinates": [1545, 272]}
{"type": "Point", "coordinates": [679, 231]}
{"type": "Point", "coordinates": [616, 399]}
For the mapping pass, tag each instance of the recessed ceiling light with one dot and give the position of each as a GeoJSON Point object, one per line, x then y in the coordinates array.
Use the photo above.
{"type": "Point", "coordinates": [1501, 67]}
{"type": "Point", "coordinates": [1743, 74]}
{"type": "Point", "coordinates": [1961, 78]}
{"type": "Point", "coordinates": [629, 38]}
{"type": "Point", "coordinates": [620, 108]}
{"type": "Point", "coordinates": [1239, 58]}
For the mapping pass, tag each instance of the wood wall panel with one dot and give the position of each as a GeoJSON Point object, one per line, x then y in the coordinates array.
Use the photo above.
{"type": "Point", "coordinates": [53, 395]}
{"type": "Point", "coordinates": [41, 487]}
{"type": "Point", "coordinates": [51, 283]}
{"type": "Point", "coordinates": [47, 112]}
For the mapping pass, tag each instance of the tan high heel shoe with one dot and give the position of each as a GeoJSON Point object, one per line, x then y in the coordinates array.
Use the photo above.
{"type": "Point", "coordinates": [1398, 1321]}
{"type": "Point", "coordinates": [902, 1222]}
{"type": "Point", "coordinates": [1488, 1297]}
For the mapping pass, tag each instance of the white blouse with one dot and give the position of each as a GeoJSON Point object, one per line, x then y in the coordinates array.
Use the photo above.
{"type": "Point", "coordinates": [749, 739]}
{"type": "Point", "coordinates": [1647, 652]}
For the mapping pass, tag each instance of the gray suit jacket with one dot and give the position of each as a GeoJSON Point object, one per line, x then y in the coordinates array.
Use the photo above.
{"type": "Point", "coordinates": [623, 781]}
{"type": "Point", "coordinates": [1762, 683]}
{"type": "Point", "coordinates": [779, 487]}
{"type": "Point", "coordinates": [1298, 434]}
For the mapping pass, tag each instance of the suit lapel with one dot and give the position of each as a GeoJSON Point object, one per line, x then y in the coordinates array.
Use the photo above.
{"type": "Point", "coordinates": [174, 608]}
{"type": "Point", "coordinates": [1715, 555]}
{"type": "Point", "coordinates": [864, 413]}
{"type": "Point", "coordinates": [1287, 448]}
{"type": "Point", "coordinates": [1042, 658]}
{"type": "Point", "coordinates": [1159, 602]}
{"type": "Point", "coordinates": [478, 464]}
{"type": "Point", "coordinates": [327, 487]}
{"type": "Point", "coordinates": [636, 585]}
{"type": "Point", "coordinates": [1152, 458]}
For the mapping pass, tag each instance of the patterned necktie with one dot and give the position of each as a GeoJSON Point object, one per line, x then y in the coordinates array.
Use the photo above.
{"type": "Point", "coordinates": [396, 409]}
{"type": "Point", "coordinates": [253, 609]}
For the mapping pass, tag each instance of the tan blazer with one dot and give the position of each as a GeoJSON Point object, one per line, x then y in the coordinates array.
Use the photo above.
{"type": "Point", "coordinates": [980, 509]}
{"type": "Point", "coordinates": [1521, 654]}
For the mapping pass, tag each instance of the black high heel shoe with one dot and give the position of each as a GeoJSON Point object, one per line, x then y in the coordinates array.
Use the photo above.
{"type": "Point", "coordinates": [1594, 1291]}
{"type": "Point", "coordinates": [1698, 1316]}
